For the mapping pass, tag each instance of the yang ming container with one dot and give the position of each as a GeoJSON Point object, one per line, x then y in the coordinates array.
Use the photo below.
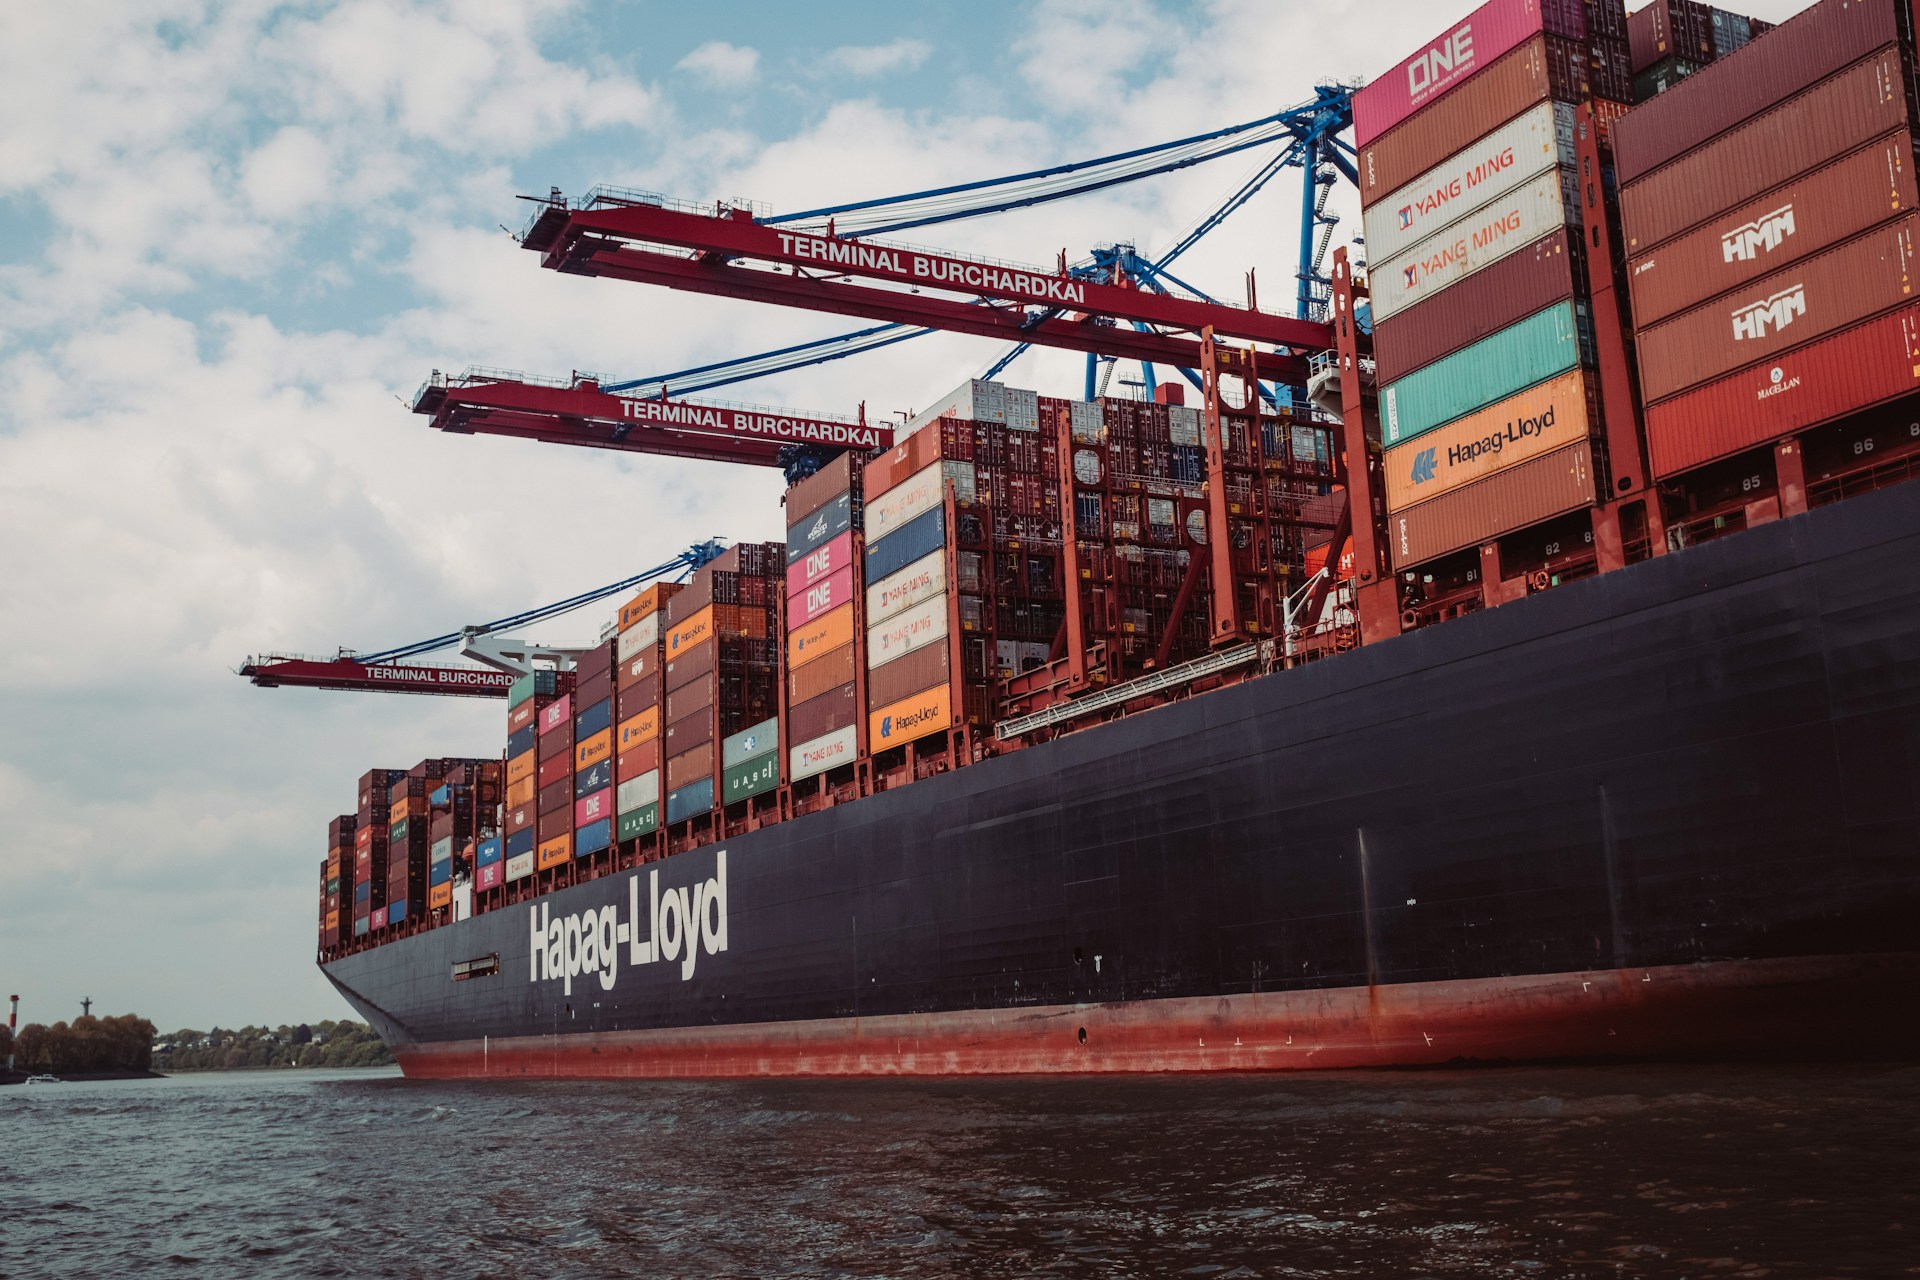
{"type": "Point", "coordinates": [1518, 285]}
{"type": "Point", "coordinates": [1475, 243]}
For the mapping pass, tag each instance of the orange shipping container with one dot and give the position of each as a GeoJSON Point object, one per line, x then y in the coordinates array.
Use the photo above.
{"type": "Point", "coordinates": [635, 761]}
{"type": "Point", "coordinates": [822, 635]}
{"type": "Point", "coordinates": [1539, 420]}
{"type": "Point", "coordinates": [400, 810]}
{"type": "Point", "coordinates": [555, 852]}
{"type": "Point", "coordinates": [909, 457]}
{"type": "Point", "coordinates": [691, 632]}
{"type": "Point", "coordinates": [637, 729]}
{"type": "Point", "coordinates": [911, 718]}
{"type": "Point", "coordinates": [521, 767]}
{"type": "Point", "coordinates": [521, 791]}
{"type": "Point", "coordinates": [440, 895]}
{"type": "Point", "coordinates": [593, 750]}
{"type": "Point", "coordinates": [690, 766]}
{"type": "Point", "coordinates": [647, 602]}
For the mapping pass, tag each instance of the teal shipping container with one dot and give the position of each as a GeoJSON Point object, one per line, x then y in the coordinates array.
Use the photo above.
{"type": "Point", "coordinates": [1500, 365]}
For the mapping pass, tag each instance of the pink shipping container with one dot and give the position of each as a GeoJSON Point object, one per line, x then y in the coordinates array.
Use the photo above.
{"type": "Point", "coordinates": [1825, 380]}
{"type": "Point", "coordinates": [820, 599]}
{"type": "Point", "coordinates": [494, 873]}
{"type": "Point", "coordinates": [1833, 118]}
{"type": "Point", "coordinates": [1454, 56]}
{"type": "Point", "coordinates": [1562, 481]}
{"type": "Point", "coordinates": [1790, 58]}
{"type": "Point", "coordinates": [1824, 294]}
{"type": "Point", "coordinates": [557, 713]}
{"type": "Point", "coordinates": [588, 810]}
{"type": "Point", "coordinates": [820, 563]}
{"type": "Point", "coordinates": [1484, 303]}
{"type": "Point", "coordinates": [1845, 198]}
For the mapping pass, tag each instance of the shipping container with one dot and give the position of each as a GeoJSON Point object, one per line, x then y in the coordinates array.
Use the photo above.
{"type": "Point", "coordinates": [555, 852]}
{"type": "Point", "coordinates": [1481, 512]}
{"type": "Point", "coordinates": [520, 769]}
{"type": "Point", "coordinates": [1517, 286]}
{"type": "Point", "coordinates": [820, 636]}
{"type": "Point", "coordinates": [822, 598]}
{"type": "Point", "coordinates": [1864, 366]}
{"type": "Point", "coordinates": [555, 768]}
{"type": "Point", "coordinates": [556, 715]}
{"type": "Point", "coordinates": [818, 717]}
{"type": "Point", "coordinates": [593, 837]}
{"type": "Point", "coordinates": [909, 719]}
{"type": "Point", "coordinates": [820, 563]}
{"type": "Point", "coordinates": [1823, 294]}
{"type": "Point", "coordinates": [919, 581]}
{"type": "Point", "coordinates": [588, 810]}
{"type": "Point", "coordinates": [1539, 420]}
{"type": "Point", "coordinates": [690, 801]}
{"type": "Point", "coordinates": [555, 795]}
{"type": "Point", "coordinates": [900, 505]}
{"type": "Point", "coordinates": [696, 629]}
{"type": "Point", "coordinates": [834, 478]}
{"type": "Point", "coordinates": [490, 875]}
{"type": "Point", "coordinates": [597, 777]}
{"type": "Point", "coordinates": [1807, 133]}
{"type": "Point", "coordinates": [1500, 162]}
{"type": "Point", "coordinates": [637, 793]}
{"type": "Point", "coordinates": [1508, 225]}
{"type": "Point", "coordinates": [974, 401]}
{"type": "Point", "coordinates": [818, 755]}
{"type": "Point", "coordinates": [901, 634]}
{"type": "Point", "coordinates": [749, 778]}
{"type": "Point", "coordinates": [1670, 28]}
{"type": "Point", "coordinates": [690, 664]}
{"type": "Point", "coordinates": [538, 684]}
{"type": "Point", "coordinates": [919, 539]}
{"type": "Point", "coordinates": [684, 735]}
{"type": "Point", "coordinates": [638, 760]}
{"type": "Point", "coordinates": [521, 865]}
{"type": "Point", "coordinates": [1817, 43]}
{"type": "Point", "coordinates": [643, 635]}
{"type": "Point", "coordinates": [638, 822]}
{"type": "Point", "coordinates": [820, 528]}
{"type": "Point", "coordinates": [647, 604]}
{"type": "Point", "coordinates": [641, 727]}
{"type": "Point", "coordinates": [919, 670]}
{"type": "Point", "coordinates": [1456, 56]}
{"type": "Point", "coordinates": [694, 696]}
{"type": "Point", "coordinates": [1829, 205]}
{"type": "Point", "coordinates": [1544, 344]}
{"type": "Point", "coordinates": [833, 669]}
{"type": "Point", "coordinates": [491, 850]}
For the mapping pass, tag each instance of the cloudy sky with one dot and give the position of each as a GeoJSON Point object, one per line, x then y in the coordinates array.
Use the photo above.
{"type": "Point", "coordinates": [235, 237]}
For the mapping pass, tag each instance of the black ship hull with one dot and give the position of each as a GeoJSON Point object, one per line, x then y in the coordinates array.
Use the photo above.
{"type": "Point", "coordinates": [1668, 810]}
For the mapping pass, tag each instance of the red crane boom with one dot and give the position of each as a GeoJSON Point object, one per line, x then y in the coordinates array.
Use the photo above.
{"type": "Point", "coordinates": [273, 670]}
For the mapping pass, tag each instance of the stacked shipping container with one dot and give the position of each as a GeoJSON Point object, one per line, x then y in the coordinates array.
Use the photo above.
{"type": "Point", "coordinates": [823, 644]}
{"type": "Point", "coordinates": [1769, 208]}
{"type": "Point", "coordinates": [1669, 40]}
{"type": "Point", "coordinates": [593, 762]}
{"type": "Point", "coordinates": [908, 610]}
{"type": "Point", "coordinates": [1482, 330]}
{"type": "Point", "coordinates": [640, 652]}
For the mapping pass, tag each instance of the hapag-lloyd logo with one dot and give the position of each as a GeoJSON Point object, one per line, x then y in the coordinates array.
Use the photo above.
{"type": "Point", "coordinates": [1752, 322]}
{"type": "Point", "coordinates": [679, 924]}
{"type": "Point", "coordinates": [1764, 234]}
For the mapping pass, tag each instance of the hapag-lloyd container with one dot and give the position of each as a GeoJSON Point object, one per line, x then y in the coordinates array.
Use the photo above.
{"type": "Point", "coordinates": [1794, 55]}
{"type": "Point", "coordinates": [1535, 349]}
{"type": "Point", "coordinates": [819, 636]}
{"type": "Point", "coordinates": [1482, 171]}
{"type": "Point", "coordinates": [808, 759]}
{"type": "Point", "coordinates": [1823, 294]}
{"type": "Point", "coordinates": [921, 580]}
{"type": "Point", "coordinates": [820, 599]}
{"type": "Point", "coordinates": [1512, 499]}
{"type": "Point", "coordinates": [1516, 286]}
{"type": "Point", "coordinates": [911, 718]}
{"type": "Point", "coordinates": [1861, 367]}
{"type": "Point", "coordinates": [1539, 420]}
{"type": "Point", "coordinates": [820, 563]}
{"type": "Point", "coordinates": [1476, 242]}
{"type": "Point", "coordinates": [1805, 133]}
{"type": "Point", "coordinates": [901, 634]}
{"type": "Point", "coordinates": [1545, 67]}
{"type": "Point", "coordinates": [1456, 55]}
{"type": "Point", "coordinates": [1845, 198]}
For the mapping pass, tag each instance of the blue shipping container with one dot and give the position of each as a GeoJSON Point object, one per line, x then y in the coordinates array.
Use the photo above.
{"type": "Point", "coordinates": [1500, 365]}
{"type": "Point", "coordinates": [520, 842]}
{"type": "Point", "coordinates": [916, 539]}
{"type": "Point", "coordinates": [396, 911]}
{"type": "Point", "coordinates": [820, 528]}
{"type": "Point", "coordinates": [521, 741]}
{"type": "Point", "coordinates": [441, 872]}
{"type": "Point", "coordinates": [595, 718]}
{"type": "Point", "coordinates": [690, 801]}
{"type": "Point", "coordinates": [489, 852]}
{"type": "Point", "coordinates": [598, 778]}
{"type": "Point", "coordinates": [363, 892]}
{"type": "Point", "coordinates": [441, 798]}
{"type": "Point", "coordinates": [594, 838]}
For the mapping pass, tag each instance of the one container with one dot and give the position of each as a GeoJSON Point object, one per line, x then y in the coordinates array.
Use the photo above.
{"type": "Point", "coordinates": [1455, 56]}
{"type": "Point", "coordinates": [919, 581]}
{"type": "Point", "coordinates": [1822, 40]}
{"type": "Point", "coordinates": [919, 670]}
{"type": "Point", "coordinates": [818, 755]}
{"type": "Point", "coordinates": [1861, 367]}
{"type": "Point", "coordinates": [1806, 133]}
{"type": "Point", "coordinates": [1810, 299]}
{"type": "Point", "coordinates": [834, 668]}
{"type": "Point", "coordinates": [1509, 224]}
{"type": "Point", "coordinates": [823, 562]}
{"type": "Point", "coordinates": [820, 636]}
{"type": "Point", "coordinates": [821, 598]}
{"type": "Point", "coordinates": [1518, 285]}
{"type": "Point", "coordinates": [1487, 168]}
{"type": "Point", "coordinates": [557, 714]}
{"type": "Point", "coordinates": [490, 875]}
{"type": "Point", "coordinates": [1512, 499]}
{"type": "Point", "coordinates": [1849, 196]}
{"type": "Point", "coordinates": [910, 719]}
{"type": "Point", "coordinates": [1538, 347]}
{"type": "Point", "coordinates": [1539, 420]}
{"type": "Point", "coordinates": [590, 809]}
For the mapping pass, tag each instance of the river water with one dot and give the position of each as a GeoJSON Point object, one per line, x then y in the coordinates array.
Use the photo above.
{"type": "Point", "coordinates": [1582, 1172]}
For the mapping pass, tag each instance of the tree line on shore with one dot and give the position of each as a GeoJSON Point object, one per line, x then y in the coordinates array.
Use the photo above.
{"type": "Point", "coordinates": [130, 1043]}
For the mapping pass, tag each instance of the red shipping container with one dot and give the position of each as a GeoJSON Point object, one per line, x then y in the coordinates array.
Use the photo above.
{"type": "Point", "coordinates": [822, 675]}
{"type": "Point", "coordinates": [1806, 133]}
{"type": "Point", "coordinates": [818, 717]}
{"type": "Point", "coordinates": [552, 769]}
{"type": "Point", "coordinates": [637, 697]}
{"type": "Point", "coordinates": [1823, 208]}
{"type": "Point", "coordinates": [1797, 54]}
{"type": "Point", "coordinates": [690, 664]}
{"type": "Point", "coordinates": [1489, 300]}
{"type": "Point", "coordinates": [490, 876]}
{"type": "Point", "coordinates": [1456, 55]}
{"type": "Point", "coordinates": [1810, 385]}
{"type": "Point", "coordinates": [690, 766]}
{"type": "Point", "coordinates": [684, 735]}
{"type": "Point", "coordinates": [1505, 501]}
{"type": "Point", "coordinates": [695, 695]}
{"type": "Point", "coordinates": [819, 563]}
{"type": "Point", "coordinates": [823, 486]}
{"type": "Point", "coordinates": [557, 743]}
{"type": "Point", "coordinates": [1670, 29]}
{"type": "Point", "coordinates": [906, 458]}
{"type": "Point", "coordinates": [635, 761]}
{"type": "Point", "coordinates": [555, 796]}
{"type": "Point", "coordinates": [1824, 294]}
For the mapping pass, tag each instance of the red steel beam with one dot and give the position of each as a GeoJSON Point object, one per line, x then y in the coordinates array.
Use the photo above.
{"type": "Point", "coordinates": [584, 415]}
{"type": "Point", "coordinates": [386, 677]}
{"type": "Point", "coordinates": [559, 235]}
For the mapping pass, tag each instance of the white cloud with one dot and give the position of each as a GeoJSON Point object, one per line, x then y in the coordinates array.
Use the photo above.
{"type": "Point", "coordinates": [726, 66]}
{"type": "Point", "coordinates": [861, 61]}
{"type": "Point", "coordinates": [288, 175]}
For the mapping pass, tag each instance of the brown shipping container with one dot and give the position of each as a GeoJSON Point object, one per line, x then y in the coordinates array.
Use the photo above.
{"type": "Point", "coordinates": [559, 742]}
{"type": "Point", "coordinates": [1489, 300]}
{"type": "Point", "coordinates": [907, 458]}
{"type": "Point", "coordinates": [1829, 36]}
{"type": "Point", "coordinates": [1817, 383]}
{"type": "Point", "coordinates": [521, 716]}
{"type": "Point", "coordinates": [1544, 67]}
{"type": "Point", "coordinates": [555, 795]}
{"type": "Point", "coordinates": [594, 688]}
{"type": "Point", "coordinates": [1513, 499]}
{"type": "Point", "coordinates": [1823, 208]}
{"type": "Point", "coordinates": [1869, 100]}
{"type": "Point", "coordinates": [519, 818]}
{"type": "Point", "coordinates": [818, 717]}
{"type": "Point", "coordinates": [637, 697]}
{"type": "Point", "coordinates": [695, 695]}
{"type": "Point", "coordinates": [697, 596]}
{"type": "Point", "coordinates": [689, 663]}
{"type": "Point", "coordinates": [905, 676]}
{"type": "Point", "coordinates": [684, 735]}
{"type": "Point", "coordinates": [689, 766]}
{"type": "Point", "coordinates": [638, 760]}
{"type": "Point", "coordinates": [820, 488]}
{"type": "Point", "coordinates": [1826, 293]}
{"type": "Point", "coordinates": [821, 675]}
{"type": "Point", "coordinates": [640, 666]}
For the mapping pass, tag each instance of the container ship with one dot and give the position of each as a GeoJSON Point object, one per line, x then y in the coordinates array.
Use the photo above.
{"type": "Point", "coordinates": [1539, 683]}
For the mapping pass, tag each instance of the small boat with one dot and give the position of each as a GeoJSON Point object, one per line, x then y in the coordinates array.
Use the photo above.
{"type": "Point", "coordinates": [45, 1080]}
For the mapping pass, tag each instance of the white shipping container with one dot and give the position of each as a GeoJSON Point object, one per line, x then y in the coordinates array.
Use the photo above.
{"type": "Point", "coordinates": [642, 635]}
{"type": "Point", "coordinates": [1089, 422]}
{"type": "Point", "coordinates": [1183, 425]}
{"type": "Point", "coordinates": [823, 753]}
{"type": "Point", "coordinates": [1482, 171]}
{"type": "Point", "coordinates": [520, 866]}
{"type": "Point", "coordinates": [1474, 243]}
{"type": "Point", "coordinates": [1023, 410]}
{"type": "Point", "coordinates": [637, 793]}
{"type": "Point", "coordinates": [962, 475]}
{"type": "Point", "coordinates": [974, 400]}
{"type": "Point", "coordinates": [911, 629]}
{"type": "Point", "coordinates": [898, 592]}
{"type": "Point", "coordinates": [918, 494]}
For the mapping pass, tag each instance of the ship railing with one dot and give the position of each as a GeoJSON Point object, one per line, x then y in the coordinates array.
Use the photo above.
{"type": "Point", "coordinates": [1120, 694]}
